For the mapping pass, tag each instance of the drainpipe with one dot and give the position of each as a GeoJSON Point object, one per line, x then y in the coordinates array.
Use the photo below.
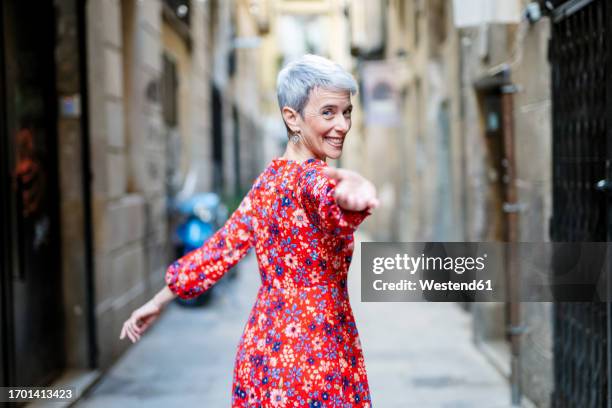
{"type": "Point", "coordinates": [511, 208]}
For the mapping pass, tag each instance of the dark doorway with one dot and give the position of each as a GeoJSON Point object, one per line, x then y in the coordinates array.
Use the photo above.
{"type": "Point", "coordinates": [491, 116]}
{"type": "Point", "coordinates": [32, 320]}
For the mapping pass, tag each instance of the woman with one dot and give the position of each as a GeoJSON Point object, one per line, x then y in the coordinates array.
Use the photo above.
{"type": "Point", "coordinates": [300, 346]}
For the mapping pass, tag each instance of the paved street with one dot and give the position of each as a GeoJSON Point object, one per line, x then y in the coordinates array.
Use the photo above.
{"type": "Point", "coordinates": [421, 355]}
{"type": "Point", "coordinates": [417, 354]}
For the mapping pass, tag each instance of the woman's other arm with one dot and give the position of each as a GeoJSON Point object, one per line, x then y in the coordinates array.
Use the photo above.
{"type": "Point", "coordinates": [197, 271]}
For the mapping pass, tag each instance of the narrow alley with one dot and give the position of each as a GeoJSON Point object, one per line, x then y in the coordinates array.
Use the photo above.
{"type": "Point", "coordinates": [133, 131]}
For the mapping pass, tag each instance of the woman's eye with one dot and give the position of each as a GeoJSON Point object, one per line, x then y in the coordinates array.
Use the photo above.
{"type": "Point", "coordinates": [327, 113]}
{"type": "Point", "coordinates": [347, 114]}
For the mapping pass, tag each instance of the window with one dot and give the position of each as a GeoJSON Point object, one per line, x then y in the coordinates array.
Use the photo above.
{"type": "Point", "coordinates": [169, 89]}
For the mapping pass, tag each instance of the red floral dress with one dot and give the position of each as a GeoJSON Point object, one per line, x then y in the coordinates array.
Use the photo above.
{"type": "Point", "coordinates": [300, 346]}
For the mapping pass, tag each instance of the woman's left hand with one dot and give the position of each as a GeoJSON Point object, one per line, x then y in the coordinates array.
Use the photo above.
{"type": "Point", "coordinates": [140, 320]}
{"type": "Point", "coordinates": [353, 192]}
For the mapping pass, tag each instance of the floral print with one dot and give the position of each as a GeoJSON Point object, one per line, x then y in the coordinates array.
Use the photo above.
{"type": "Point", "coordinates": [300, 346]}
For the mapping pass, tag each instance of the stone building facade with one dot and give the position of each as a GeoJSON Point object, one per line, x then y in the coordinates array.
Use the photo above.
{"type": "Point", "coordinates": [151, 93]}
{"type": "Point", "coordinates": [444, 173]}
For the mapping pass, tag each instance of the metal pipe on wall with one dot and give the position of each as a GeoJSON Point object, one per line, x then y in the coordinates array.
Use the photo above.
{"type": "Point", "coordinates": [511, 208]}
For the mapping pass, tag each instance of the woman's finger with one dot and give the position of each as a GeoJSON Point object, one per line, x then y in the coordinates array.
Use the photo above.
{"type": "Point", "coordinates": [129, 334]}
{"type": "Point", "coordinates": [122, 335]}
{"type": "Point", "coordinates": [136, 326]}
{"type": "Point", "coordinates": [332, 172]}
{"type": "Point", "coordinates": [134, 335]}
{"type": "Point", "coordinates": [135, 329]}
{"type": "Point", "coordinates": [350, 201]}
{"type": "Point", "coordinates": [340, 191]}
{"type": "Point", "coordinates": [126, 331]}
{"type": "Point", "coordinates": [131, 326]}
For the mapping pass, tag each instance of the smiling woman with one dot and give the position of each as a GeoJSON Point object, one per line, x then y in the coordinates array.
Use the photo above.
{"type": "Point", "coordinates": [300, 346]}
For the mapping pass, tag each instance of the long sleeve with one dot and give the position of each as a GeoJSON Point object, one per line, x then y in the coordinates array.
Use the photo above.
{"type": "Point", "coordinates": [316, 193]}
{"type": "Point", "coordinates": [194, 273]}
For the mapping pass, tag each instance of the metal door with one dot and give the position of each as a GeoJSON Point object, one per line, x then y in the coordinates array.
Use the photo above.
{"type": "Point", "coordinates": [580, 62]}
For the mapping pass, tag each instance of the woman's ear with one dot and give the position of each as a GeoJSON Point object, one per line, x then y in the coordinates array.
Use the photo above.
{"type": "Point", "coordinates": [291, 118]}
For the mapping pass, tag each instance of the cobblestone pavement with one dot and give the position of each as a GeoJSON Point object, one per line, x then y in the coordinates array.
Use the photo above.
{"type": "Point", "coordinates": [417, 354]}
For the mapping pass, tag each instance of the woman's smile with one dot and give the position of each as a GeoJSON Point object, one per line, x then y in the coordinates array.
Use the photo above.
{"type": "Point", "coordinates": [335, 142]}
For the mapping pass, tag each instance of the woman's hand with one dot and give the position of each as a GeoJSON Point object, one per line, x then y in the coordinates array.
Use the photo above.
{"type": "Point", "coordinates": [140, 320]}
{"type": "Point", "coordinates": [353, 192]}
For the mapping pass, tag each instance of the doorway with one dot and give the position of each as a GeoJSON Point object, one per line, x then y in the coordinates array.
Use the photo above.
{"type": "Point", "coordinates": [32, 330]}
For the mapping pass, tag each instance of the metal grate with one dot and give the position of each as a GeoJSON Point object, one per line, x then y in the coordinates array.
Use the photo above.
{"type": "Point", "coordinates": [579, 61]}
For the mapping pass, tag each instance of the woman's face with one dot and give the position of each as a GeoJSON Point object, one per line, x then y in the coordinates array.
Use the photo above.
{"type": "Point", "coordinates": [325, 123]}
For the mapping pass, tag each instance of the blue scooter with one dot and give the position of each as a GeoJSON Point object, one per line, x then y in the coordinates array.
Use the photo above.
{"type": "Point", "coordinates": [199, 218]}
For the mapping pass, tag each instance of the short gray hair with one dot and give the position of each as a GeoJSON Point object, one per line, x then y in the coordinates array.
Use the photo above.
{"type": "Point", "coordinates": [298, 78]}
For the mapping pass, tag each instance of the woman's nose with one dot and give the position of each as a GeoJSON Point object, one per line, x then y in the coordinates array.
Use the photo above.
{"type": "Point", "coordinates": [343, 124]}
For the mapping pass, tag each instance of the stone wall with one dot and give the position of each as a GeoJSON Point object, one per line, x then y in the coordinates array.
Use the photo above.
{"type": "Point", "coordinates": [533, 141]}
{"type": "Point", "coordinates": [438, 181]}
{"type": "Point", "coordinates": [71, 173]}
{"type": "Point", "coordinates": [118, 223]}
{"type": "Point", "coordinates": [130, 149]}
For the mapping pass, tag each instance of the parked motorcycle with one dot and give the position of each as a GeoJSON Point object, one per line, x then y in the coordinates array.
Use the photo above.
{"type": "Point", "coordinates": [198, 218]}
